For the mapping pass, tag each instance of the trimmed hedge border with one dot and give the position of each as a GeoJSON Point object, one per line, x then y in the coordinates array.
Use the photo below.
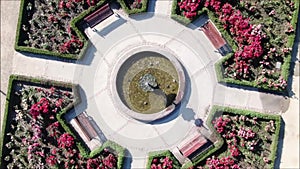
{"type": "Point", "coordinates": [154, 154]}
{"type": "Point", "coordinates": [79, 143]}
{"type": "Point", "coordinates": [143, 9]}
{"type": "Point", "coordinates": [217, 111]}
{"type": "Point", "coordinates": [74, 25]}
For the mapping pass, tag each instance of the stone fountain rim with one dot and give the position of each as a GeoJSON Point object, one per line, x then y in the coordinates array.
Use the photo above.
{"type": "Point", "coordinates": [122, 58]}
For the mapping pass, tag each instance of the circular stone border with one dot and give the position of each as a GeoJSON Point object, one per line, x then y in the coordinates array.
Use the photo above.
{"type": "Point", "coordinates": [122, 58]}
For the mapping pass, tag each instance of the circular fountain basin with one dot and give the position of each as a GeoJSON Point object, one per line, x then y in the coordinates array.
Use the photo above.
{"type": "Point", "coordinates": [147, 83]}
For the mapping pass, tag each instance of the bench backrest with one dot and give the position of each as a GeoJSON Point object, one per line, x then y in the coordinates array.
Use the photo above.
{"type": "Point", "coordinates": [98, 16]}
{"type": "Point", "coordinates": [191, 144]}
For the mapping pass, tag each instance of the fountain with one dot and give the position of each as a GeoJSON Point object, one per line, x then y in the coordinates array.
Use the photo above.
{"type": "Point", "coordinates": [149, 84]}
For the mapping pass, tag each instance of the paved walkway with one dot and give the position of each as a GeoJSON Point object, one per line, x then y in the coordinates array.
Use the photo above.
{"type": "Point", "coordinates": [117, 38]}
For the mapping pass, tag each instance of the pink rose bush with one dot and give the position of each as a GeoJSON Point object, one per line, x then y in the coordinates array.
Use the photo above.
{"type": "Point", "coordinates": [189, 7]}
{"type": "Point", "coordinates": [162, 162]}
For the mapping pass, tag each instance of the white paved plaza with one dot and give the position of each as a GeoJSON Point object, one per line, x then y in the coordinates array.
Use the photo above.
{"type": "Point", "coordinates": [119, 35]}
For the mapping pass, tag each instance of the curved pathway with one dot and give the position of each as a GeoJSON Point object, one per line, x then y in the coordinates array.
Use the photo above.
{"type": "Point", "coordinates": [190, 47]}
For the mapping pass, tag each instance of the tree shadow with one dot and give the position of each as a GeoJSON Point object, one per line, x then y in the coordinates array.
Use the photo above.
{"type": "Point", "coordinates": [198, 22]}
{"type": "Point", "coordinates": [151, 6]}
{"type": "Point", "coordinates": [80, 107]}
{"type": "Point", "coordinates": [127, 160]}
{"type": "Point", "coordinates": [88, 56]}
{"type": "Point", "coordinates": [294, 66]}
{"type": "Point", "coordinates": [142, 16]}
{"type": "Point", "coordinates": [280, 145]}
{"type": "Point", "coordinates": [188, 114]}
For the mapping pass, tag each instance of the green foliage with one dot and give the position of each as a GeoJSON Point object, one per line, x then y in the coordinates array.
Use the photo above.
{"type": "Point", "coordinates": [163, 153]}
{"type": "Point", "coordinates": [129, 11]}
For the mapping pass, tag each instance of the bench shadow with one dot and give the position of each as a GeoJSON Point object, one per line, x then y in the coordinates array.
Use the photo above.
{"type": "Point", "coordinates": [198, 22]}
{"type": "Point", "coordinates": [97, 129]}
{"type": "Point", "coordinates": [112, 26]}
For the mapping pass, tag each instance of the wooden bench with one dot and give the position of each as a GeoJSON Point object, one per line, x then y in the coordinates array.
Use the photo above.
{"type": "Point", "coordinates": [213, 35]}
{"type": "Point", "coordinates": [83, 126]}
{"type": "Point", "coordinates": [98, 16]}
{"type": "Point", "coordinates": [191, 144]}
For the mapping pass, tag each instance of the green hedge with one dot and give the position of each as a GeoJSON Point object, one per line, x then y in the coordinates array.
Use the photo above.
{"type": "Point", "coordinates": [84, 151]}
{"type": "Point", "coordinates": [167, 153]}
{"type": "Point", "coordinates": [74, 25]}
{"type": "Point", "coordinates": [217, 111]}
{"type": "Point", "coordinates": [129, 11]}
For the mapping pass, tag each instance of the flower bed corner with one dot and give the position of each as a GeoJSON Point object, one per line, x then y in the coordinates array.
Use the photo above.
{"type": "Point", "coordinates": [261, 34]}
{"type": "Point", "coordinates": [35, 134]}
{"type": "Point", "coordinates": [162, 159]}
{"type": "Point", "coordinates": [250, 139]}
{"type": "Point", "coordinates": [53, 28]}
{"type": "Point", "coordinates": [178, 11]}
{"type": "Point", "coordinates": [134, 6]}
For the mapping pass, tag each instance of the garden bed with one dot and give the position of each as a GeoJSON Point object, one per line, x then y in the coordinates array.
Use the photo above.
{"type": "Point", "coordinates": [249, 139]}
{"type": "Point", "coordinates": [36, 135]}
{"type": "Point", "coordinates": [52, 28]}
{"type": "Point", "coordinates": [261, 34]}
{"type": "Point", "coordinates": [162, 159]}
{"type": "Point", "coordinates": [134, 6]}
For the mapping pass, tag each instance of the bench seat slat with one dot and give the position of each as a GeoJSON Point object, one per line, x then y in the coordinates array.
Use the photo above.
{"type": "Point", "coordinates": [192, 145]}
{"type": "Point", "coordinates": [86, 124]}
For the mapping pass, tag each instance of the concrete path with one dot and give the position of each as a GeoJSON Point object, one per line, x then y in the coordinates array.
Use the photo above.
{"type": "Point", "coordinates": [9, 17]}
{"type": "Point", "coordinates": [115, 39]}
{"type": "Point", "coordinates": [162, 7]}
